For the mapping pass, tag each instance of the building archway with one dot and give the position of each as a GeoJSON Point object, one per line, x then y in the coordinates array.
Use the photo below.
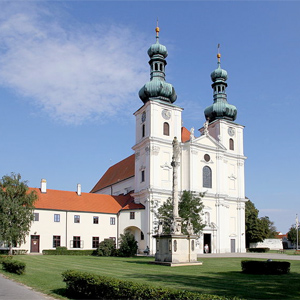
{"type": "Point", "coordinates": [139, 237]}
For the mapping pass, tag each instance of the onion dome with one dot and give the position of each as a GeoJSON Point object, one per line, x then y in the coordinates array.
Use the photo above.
{"type": "Point", "coordinates": [157, 88]}
{"type": "Point", "coordinates": [220, 109]}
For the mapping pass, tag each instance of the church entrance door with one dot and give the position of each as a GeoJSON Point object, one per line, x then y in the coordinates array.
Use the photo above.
{"type": "Point", "coordinates": [207, 241]}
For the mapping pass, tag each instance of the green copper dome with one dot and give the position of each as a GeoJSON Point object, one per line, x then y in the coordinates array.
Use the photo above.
{"type": "Point", "coordinates": [220, 109]}
{"type": "Point", "coordinates": [157, 87]}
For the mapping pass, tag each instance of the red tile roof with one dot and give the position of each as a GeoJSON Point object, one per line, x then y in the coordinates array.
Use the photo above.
{"type": "Point", "coordinates": [116, 173]}
{"type": "Point", "coordinates": [185, 135]}
{"type": "Point", "coordinates": [87, 202]}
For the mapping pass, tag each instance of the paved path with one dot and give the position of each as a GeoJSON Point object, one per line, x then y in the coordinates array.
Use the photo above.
{"type": "Point", "coordinates": [253, 255]}
{"type": "Point", "coordinates": [11, 290]}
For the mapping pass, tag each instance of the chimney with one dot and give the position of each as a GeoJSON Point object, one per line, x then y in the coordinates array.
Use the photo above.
{"type": "Point", "coordinates": [78, 189]}
{"type": "Point", "coordinates": [44, 186]}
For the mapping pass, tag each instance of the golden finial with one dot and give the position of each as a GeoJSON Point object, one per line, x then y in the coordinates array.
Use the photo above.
{"type": "Point", "coordinates": [157, 28]}
{"type": "Point", "coordinates": [219, 54]}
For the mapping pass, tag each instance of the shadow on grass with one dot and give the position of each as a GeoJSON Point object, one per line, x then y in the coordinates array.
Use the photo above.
{"type": "Point", "coordinates": [233, 284]}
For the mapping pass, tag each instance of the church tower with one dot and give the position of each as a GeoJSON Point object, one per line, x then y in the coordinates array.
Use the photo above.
{"type": "Point", "coordinates": [158, 121]}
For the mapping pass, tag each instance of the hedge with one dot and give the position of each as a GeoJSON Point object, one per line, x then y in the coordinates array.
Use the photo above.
{"type": "Point", "coordinates": [14, 251]}
{"type": "Point", "coordinates": [265, 267]}
{"type": "Point", "coordinates": [83, 285]}
{"type": "Point", "coordinates": [64, 251]}
{"type": "Point", "coordinates": [14, 266]}
{"type": "Point", "coordinates": [258, 249]}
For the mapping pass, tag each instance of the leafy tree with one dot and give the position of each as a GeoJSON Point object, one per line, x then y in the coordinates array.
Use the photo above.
{"type": "Point", "coordinates": [189, 209]}
{"type": "Point", "coordinates": [269, 227]}
{"type": "Point", "coordinates": [16, 209]}
{"type": "Point", "coordinates": [257, 229]}
{"type": "Point", "coordinates": [128, 245]}
{"type": "Point", "coordinates": [292, 234]}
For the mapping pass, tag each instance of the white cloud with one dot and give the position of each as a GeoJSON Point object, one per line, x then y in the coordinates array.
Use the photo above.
{"type": "Point", "coordinates": [72, 71]}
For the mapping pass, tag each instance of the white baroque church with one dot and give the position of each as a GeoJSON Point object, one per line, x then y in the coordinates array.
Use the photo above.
{"type": "Point", "coordinates": [212, 163]}
{"type": "Point", "coordinates": [124, 198]}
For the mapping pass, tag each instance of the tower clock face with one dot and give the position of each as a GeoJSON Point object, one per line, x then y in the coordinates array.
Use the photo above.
{"type": "Point", "coordinates": [144, 117]}
{"type": "Point", "coordinates": [166, 114]}
{"type": "Point", "coordinates": [231, 131]}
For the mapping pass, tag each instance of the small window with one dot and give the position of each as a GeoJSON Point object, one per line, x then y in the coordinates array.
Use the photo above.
{"type": "Point", "coordinates": [76, 219]}
{"type": "Point", "coordinates": [207, 177]}
{"type": "Point", "coordinates": [143, 176]}
{"type": "Point", "coordinates": [166, 128]}
{"type": "Point", "coordinates": [231, 144]}
{"type": "Point", "coordinates": [156, 67]}
{"type": "Point", "coordinates": [132, 215]}
{"type": "Point", "coordinates": [95, 242]}
{"type": "Point", "coordinates": [112, 221]}
{"type": "Point", "coordinates": [161, 67]}
{"type": "Point", "coordinates": [142, 236]}
{"type": "Point", "coordinates": [206, 157]}
{"type": "Point", "coordinates": [36, 216]}
{"type": "Point", "coordinates": [143, 130]}
{"type": "Point", "coordinates": [56, 241]}
{"type": "Point", "coordinates": [76, 241]}
{"type": "Point", "coordinates": [95, 220]}
{"type": "Point", "coordinates": [56, 217]}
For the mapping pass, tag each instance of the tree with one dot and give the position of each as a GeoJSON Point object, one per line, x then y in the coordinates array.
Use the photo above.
{"type": "Point", "coordinates": [189, 209]}
{"type": "Point", "coordinates": [128, 245]}
{"type": "Point", "coordinates": [292, 234]}
{"type": "Point", "coordinates": [16, 210]}
{"type": "Point", "coordinates": [257, 229]}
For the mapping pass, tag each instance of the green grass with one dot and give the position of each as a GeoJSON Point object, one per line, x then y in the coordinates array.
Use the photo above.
{"type": "Point", "coordinates": [219, 276]}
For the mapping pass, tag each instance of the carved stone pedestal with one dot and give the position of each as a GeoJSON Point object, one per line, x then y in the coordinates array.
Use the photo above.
{"type": "Point", "coordinates": [175, 250]}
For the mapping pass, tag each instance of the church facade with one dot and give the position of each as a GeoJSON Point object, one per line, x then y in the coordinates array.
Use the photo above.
{"type": "Point", "coordinates": [212, 163]}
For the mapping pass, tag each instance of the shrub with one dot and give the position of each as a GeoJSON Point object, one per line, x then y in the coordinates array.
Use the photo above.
{"type": "Point", "coordinates": [258, 249]}
{"type": "Point", "coordinates": [265, 267]}
{"type": "Point", "coordinates": [106, 248]}
{"type": "Point", "coordinates": [14, 251]}
{"type": "Point", "coordinates": [68, 252]}
{"type": "Point", "coordinates": [14, 266]}
{"type": "Point", "coordinates": [128, 245]}
{"type": "Point", "coordinates": [83, 285]}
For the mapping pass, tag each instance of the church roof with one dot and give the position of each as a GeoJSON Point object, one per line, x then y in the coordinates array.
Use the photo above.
{"type": "Point", "coordinates": [116, 173]}
{"type": "Point", "coordinates": [124, 169]}
{"type": "Point", "coordinates": [86, 202]}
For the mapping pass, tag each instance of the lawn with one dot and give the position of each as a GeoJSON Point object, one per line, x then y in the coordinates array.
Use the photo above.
{"type": "Point", "coordinates": [219, 276]}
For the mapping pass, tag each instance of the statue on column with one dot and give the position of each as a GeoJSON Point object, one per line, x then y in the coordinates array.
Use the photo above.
{"type": "Point", "coordinates": [176, 226]}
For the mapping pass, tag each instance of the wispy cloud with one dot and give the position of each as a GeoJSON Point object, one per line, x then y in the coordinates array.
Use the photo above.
{"type": "Point", "coordinates": [72, 71]}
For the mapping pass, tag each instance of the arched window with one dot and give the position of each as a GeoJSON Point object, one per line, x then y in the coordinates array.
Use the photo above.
{"type": "Point", "coordinates": [207, 177]}
{"type": "Point", "coordinates": [231, 144]}
{"type": "Point", "coordinates": [143, 130]}
{"type": "Point", "coordinates": [166, 128]}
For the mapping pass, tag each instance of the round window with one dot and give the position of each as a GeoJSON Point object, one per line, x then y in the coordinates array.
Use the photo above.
{"type": "Point", "coordinates": [206, 157]}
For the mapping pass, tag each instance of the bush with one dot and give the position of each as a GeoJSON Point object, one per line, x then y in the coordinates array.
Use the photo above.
{"type": "Point", "coordinates": [14, 266]}
{"type": "Point", "coordinates": [258, 250]}
{"type": "Point", "coordinates": [128, 245]}
{"type": "Point", "coordinates": [68, 252]}
{"type": "Point", "coordinates": [106, 248]}
{"type": "Point", "coordinates": [265, 267]}
{"type": "Point", "coordinates": [83, 285]}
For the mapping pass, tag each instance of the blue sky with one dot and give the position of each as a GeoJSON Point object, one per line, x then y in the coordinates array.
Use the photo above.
{"type": "Point", "coordinates": [70, 72]}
